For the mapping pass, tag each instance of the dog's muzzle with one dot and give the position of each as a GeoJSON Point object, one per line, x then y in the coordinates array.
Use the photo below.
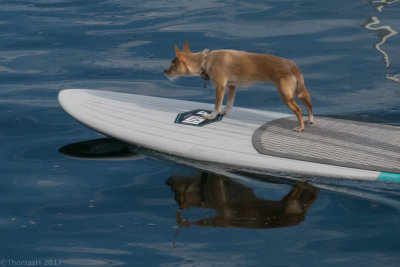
{"type": "Point", "coordinates": [167, 72]}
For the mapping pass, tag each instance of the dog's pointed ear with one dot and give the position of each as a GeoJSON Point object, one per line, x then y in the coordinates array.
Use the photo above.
{"type": "Point", "coordinates": [181, 56]}
{"type": "Point", "coordinates": [177, 52]}
{"type": "Point", "coordinates": [186, 47]}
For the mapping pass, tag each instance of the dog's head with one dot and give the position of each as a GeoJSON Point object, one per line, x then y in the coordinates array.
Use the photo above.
{"type": "Point", "coordinates": [180, 64]}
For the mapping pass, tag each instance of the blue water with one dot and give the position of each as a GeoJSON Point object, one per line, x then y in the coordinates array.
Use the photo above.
{"type": "Point", "coordinates": [68, 197]}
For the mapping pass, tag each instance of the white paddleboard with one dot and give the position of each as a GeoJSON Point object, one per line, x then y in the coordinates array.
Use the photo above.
{"type": "Point", "coordinates": [164, 125]}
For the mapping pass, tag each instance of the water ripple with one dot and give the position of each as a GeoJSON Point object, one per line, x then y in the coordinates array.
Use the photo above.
{"type": "Point", "coordinates": [384, 32]}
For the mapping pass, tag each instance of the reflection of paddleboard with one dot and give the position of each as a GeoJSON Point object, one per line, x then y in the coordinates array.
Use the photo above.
{"type": "Point", "coordinates": [246, 139]}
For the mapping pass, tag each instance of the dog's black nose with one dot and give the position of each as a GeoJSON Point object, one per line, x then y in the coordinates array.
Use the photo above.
{"type": "Point", "coordinates": [165, 71]}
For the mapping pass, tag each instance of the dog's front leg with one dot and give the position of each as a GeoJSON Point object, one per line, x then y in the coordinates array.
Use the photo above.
{"type": "Point", "coordinates": [219, 97]}
{"type": "Point", "coordinates": [229, 101]}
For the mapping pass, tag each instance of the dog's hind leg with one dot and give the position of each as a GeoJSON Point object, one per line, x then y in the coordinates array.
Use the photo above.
{"type": "Point", "coordinates": [305, 98]}
{"type": "Point", "coordinates": [291, 103]}
{"type": "Point", "coordinates": [286, 88]}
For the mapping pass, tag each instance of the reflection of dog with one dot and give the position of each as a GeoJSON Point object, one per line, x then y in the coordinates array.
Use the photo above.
{"type": "Point", "coordinates": [236, 205]}
{"type": "Point", "coordinates": [237, 68]}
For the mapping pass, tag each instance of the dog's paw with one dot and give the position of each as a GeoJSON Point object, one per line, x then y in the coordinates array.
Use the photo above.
{"type": "Point", "coordinates": [298, 130]}
{"type": "Point", "coordinates": [225, 110]}
{"type": "Point", "coordinates": [207, 116]}
{"type": "Point", "coordinates": [210, 116]}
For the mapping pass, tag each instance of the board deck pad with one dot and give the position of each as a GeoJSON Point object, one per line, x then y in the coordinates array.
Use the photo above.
{"type": "Point", "coordinates": [195, 118]}
{"type": "Point", "coordinates": [337, 142]}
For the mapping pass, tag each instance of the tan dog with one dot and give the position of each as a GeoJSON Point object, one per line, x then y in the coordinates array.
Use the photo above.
{"type": "Point", "coordinates": [238, 68]}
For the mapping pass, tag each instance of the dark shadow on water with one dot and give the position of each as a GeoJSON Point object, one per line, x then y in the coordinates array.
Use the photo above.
{"type": "Point", "coordinates": [236, 205]}
{"type": "Point", "coordinates": [101, 149]}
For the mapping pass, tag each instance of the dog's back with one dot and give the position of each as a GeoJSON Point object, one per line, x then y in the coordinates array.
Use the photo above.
{"type": "Point", "coordinates": [244, 68]}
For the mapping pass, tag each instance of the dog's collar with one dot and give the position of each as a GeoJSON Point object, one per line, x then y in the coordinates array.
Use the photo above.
{"type": "Point", "coordinates": [203, 73]}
